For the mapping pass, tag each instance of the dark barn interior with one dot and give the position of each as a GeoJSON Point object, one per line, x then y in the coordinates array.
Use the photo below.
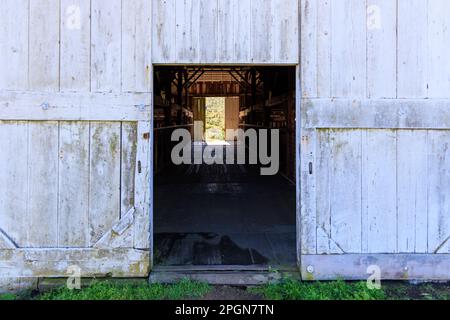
{"type": "Point", "coordinates": [224, 214]}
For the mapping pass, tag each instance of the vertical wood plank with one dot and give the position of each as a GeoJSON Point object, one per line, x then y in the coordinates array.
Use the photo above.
{"type": "Point", "coordinates": [136, 45]}
{"type": "Point", "coordinates": [128, 166]}
{"type": "Point", "coordinates": [381, 48]}
{"type": "Point", "coordinates": [242, 30]}
{"type": "Point", "coordinates": [379, 191]}
{"type": "Point", "coordinates": [412, 168]}
{"type": "Point", "coordinates": [14, 44]}
{"type": "Point", "coordinates": [324, 34]}
{"type": "Point", "coordinates": [14, 179]}
{"type": "Point", "coordinates": [73, 216]}
{"type": "Point", "coordinates": [439, 46]}
{"type": "Point", "coordinates": [143, 220]}
{"type": "Point", "coordinates": [286, 34]}
{"type": "Point", "coordinates": [75, 45]}
{"type": "Point", "coordinates": [163, 39]}
{"type": "Point", "coordinates": [345, 190]}
{"type": "Point", "coordinates": [308, 42]}
{"type": "Point", "coordinates": [438, 195]}
{"type": "Point", "coordinates": [262, 41]}
{"type": "Point", "coordinates": [208, 41]}
{"type": "Point", "coordinates": [225, 47]}
{"type": "Point", "coordinates": [348, 49]}
{"type": "Point", "coordinates": [412, 49]}
{"type": "Point", "coordinates": [323, 205]}
{"type": "Point", "coordinates": [106, 45]}
{"type": "Point", "coordinates": [104, 188]}
{"type": "Point", "coordinates": [42, 217]}
{"type": "Point", "coordinates": [308, 221]}
{"type": "Point", "coordinates": [187, 30]}
{"type": "Point", "coordinates": [44, 45]}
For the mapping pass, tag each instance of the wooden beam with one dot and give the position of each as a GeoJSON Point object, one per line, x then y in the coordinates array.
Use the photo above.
{"type": "Point", "coordinates": [376, 113]}
{"type": "Point", "coordinates": [393, 266]}
{"type": "Point", "coordinates": [52, 263]}
{"type": "Point", "coordinates": [74, 106]}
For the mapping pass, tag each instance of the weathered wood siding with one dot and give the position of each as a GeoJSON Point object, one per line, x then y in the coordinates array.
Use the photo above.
{"type": "Point", "coordinates": [375, 49]}
{"type": "Point", "coordinates": [75, 129]}
{"type": "Point", "coordinates": [226, 31]}
{"type": "Point", "coordinates": [375, 124]}
{"type": "Point", "coordinates": [75, 106]}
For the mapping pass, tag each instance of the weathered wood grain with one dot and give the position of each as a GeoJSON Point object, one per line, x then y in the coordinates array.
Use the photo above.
{"type": "Point", "coordinates": [73, 196]}
{"type": "Point", "coordinates": [14, 45]}
{"type": "Point", "coordinates": [104, 187]}
{"type": "Point", "coordinates": [323, 203]}
{"type": "Point", "coordinates": [128, 166]}
{"type": "Point", "coordinates": [348, 69]}
{"type": "Point", "coordinates": [308, 18]}
{"type": "Point", "coordinates": [438, 195]}
{"type": "Point", "coordinates": [55, 263]}
{"type": "Point", "coordinates": [208, 41]}
{"type": "Point", "coordinates": [225, 21]}
{"type": "Point", "coordinates": [136, 45]}
{"type": "Point", "coordinates": [242, 30]}
{"type": "Point", "coordinates": [163, 31]}
{"type": "Point", "coordinates": [376, 113]}
{"type": "Point", "coordinates": [187, 30]}
{"type": "Point", "coordinates": [308, 223]}
{"type": "Point", "coordinates": [392, 266]}
{"type": "Point", "coordinates": [345, 190]}
{"type": "Point", "coordinates": [75, 62]}
{"type": "Point", "coordinates": [412, 51]}
{"type": "Point", "coordinates": [106, 44]}
{"type": "Point", "coordinates": [379, 200]}
{"type": "Point", "coordinates": [74, 106]}
{"type": "Point", "coordinates": [42, 206]}
{"type": "Point", "coordinates": [14, 180]}
{"type": "Point", "coordinates": [412, 181]}
{"type": "Point", "coordinates": [381, 48]}
{"type": "Point", "coordinates": [286, 31]}
{"type": "Point", "coordinates": [438, 46]}
{"type": "Point", "coordinates": [44, 47]}
{"type": "Point", "coordinates": [143, 203]}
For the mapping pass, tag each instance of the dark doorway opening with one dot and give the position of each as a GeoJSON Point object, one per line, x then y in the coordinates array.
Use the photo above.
{"type": "Point", "coordinates": [224, 214]}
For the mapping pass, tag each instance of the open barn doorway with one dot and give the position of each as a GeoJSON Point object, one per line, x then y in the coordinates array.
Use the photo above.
{"type": "Point", "coordinates": [224, 166]}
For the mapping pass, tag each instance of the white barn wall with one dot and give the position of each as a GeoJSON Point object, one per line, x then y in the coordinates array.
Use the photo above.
{"type": "Point", "coordinates": [226, 32]}
{"type": "Point", "coordinates": [375, 121]}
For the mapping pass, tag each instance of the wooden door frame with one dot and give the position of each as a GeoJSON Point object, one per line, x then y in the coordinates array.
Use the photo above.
{"type": "Point", "coordinates": [298, 133]}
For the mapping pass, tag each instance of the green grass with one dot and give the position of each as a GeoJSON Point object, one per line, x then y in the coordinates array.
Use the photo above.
{"type": "Point", "coordinates": [106, 290]}
{"type": "Point", "coordinates": [287, 289]}
{"type": "Point", "coordinates": [336, 290]}
{"type": "Point", "coordinates": [7, 297]}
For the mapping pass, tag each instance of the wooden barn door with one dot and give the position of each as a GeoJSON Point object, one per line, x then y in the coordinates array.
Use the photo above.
{"type": "Point", "coordinates": [75, 132]}
{"type": "Point", "coordinates": [375, 140]}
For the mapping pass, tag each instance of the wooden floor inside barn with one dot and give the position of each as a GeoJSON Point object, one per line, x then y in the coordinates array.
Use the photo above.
{"type": "Point", "coordinates": [223, 215]}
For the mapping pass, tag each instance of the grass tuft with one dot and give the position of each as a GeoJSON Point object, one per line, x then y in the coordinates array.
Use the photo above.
{"type": "Point", "coordinates": [336, 290]}
{"type": "Point", "coordinates": [106, 290]}
{"type": "Point", "coordinates": [7, 296]}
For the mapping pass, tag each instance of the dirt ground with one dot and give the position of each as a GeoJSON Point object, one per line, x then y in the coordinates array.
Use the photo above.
{"type": "Point", "coordinates": [231, 293]}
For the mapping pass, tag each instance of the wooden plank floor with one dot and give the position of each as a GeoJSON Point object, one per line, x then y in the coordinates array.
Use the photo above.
{"type": "Point", "coordinates": [223, 215]}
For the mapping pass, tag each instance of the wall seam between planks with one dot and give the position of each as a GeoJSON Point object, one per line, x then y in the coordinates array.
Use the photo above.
{"type": "Point", "coordinates": [59, 44]}
{"type": "Point", "coordinates": [58, 185]}
{"type": "Point", "coordinates": [396, 49]}
{"type": "Point", "coordinates": [88, 226]}
{"type": "Point", "coordinates": [120, 169]}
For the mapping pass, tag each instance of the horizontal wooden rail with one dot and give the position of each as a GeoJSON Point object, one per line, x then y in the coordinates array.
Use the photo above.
{"type": "Point", "coordinates": [376, 113]}
{"type": "Point", "coordinates": [361, 266]}
{"type": "Point", "coordinates": [75, 106]}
